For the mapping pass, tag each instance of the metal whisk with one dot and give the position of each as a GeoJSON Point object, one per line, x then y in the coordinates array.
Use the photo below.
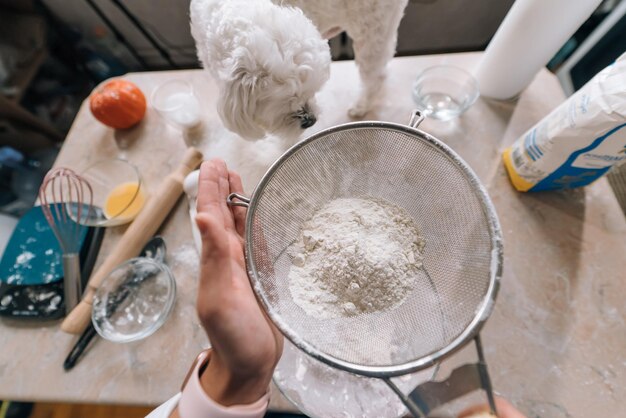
{"type": "Point", "coordinates": [66, 199]}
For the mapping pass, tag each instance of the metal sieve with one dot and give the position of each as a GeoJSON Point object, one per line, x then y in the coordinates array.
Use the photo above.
{"type": "Point", "coordinates": [462, 258]}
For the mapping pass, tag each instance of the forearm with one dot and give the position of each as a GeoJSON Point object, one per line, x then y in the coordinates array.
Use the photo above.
{"type": "Point", "coordinates": [213, 387]}
{"type": "Point", "coordinates": [219, 383]}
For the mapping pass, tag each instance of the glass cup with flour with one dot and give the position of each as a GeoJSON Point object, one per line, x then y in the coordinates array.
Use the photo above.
{"type": "Point", "coordinates": [177, 104]}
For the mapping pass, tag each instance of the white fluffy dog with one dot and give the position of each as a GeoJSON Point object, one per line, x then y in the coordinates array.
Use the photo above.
{"type": "Point", "coordinates": [270, 57]}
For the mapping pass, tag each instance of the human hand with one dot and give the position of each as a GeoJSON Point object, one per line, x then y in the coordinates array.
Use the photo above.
{"type": "Point", "coordinates": [504, 407]}
{"type": "Point", "coordinates": [246, 345]}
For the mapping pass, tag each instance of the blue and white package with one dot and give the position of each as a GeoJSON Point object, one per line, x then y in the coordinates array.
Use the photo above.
{"type": "Point", "coordinates": [578, 142]}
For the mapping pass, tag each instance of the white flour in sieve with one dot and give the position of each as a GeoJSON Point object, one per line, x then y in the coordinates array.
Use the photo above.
{"type": "Point", "coordinates": [354, 256]}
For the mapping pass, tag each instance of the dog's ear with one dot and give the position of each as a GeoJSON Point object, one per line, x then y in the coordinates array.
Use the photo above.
{"type": "Point", "coordinates": [238, 104]}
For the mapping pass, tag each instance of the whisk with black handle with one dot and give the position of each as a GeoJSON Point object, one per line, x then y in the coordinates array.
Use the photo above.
{"type": "Point", "coordinates": [66, 199]}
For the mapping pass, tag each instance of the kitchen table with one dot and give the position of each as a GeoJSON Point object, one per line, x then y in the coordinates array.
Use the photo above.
{"type": "Point", "coordinates": [555, 343]}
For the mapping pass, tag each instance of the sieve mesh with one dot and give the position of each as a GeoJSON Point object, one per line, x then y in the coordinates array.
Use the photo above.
{"type": "Point", "coordinates": [413, 171]}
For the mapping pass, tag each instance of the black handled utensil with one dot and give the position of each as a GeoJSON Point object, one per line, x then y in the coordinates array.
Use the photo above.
{"type": "Point", "coordinates": [154, 249]}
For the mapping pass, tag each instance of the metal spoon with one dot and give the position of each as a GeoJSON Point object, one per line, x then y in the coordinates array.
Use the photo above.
{"type": "Point", "coordinates": [154, 249]}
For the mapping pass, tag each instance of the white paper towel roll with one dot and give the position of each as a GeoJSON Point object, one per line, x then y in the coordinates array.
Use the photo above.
{"type": "Point", "coordinates": [531, 33]}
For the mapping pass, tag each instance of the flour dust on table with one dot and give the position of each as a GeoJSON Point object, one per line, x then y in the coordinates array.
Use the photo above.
{"type": "Point", "coordinates": [355, 256]}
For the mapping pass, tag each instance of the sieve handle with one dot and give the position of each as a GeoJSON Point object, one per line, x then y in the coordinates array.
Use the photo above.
{"type": "Point", "coordinates": [462, 381]}
{"type": "Point", "coordinates": [417, 117]}
{"type": "Point", "coordinates": [236, 199]}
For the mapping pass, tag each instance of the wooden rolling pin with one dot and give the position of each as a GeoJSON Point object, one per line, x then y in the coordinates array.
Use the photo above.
{"type": "Point", "coordinates": [136, 236]}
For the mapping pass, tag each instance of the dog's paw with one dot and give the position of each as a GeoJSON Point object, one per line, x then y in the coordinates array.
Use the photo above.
{"type": "Point", "coordinates": [359, 110]}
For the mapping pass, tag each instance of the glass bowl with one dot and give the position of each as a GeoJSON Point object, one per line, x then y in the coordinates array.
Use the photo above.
{"type": "Point", "coordinates": [117, 190]}
{"type": "Point", "coordinates": [444, 92]}
{"type": "Point", "coordinates": [134, 300]}
{"type": "Point", "coordinates": [319, 390]}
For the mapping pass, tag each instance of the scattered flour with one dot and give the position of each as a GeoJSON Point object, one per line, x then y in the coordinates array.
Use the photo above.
{"type": "Point", "coordinates": [187, 256]}
{"type": "Point", "coordinates": [354, 256]}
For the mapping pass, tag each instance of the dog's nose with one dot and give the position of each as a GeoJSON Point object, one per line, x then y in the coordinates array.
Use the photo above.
{"type": "Point", "coordinates": [308, 121]}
